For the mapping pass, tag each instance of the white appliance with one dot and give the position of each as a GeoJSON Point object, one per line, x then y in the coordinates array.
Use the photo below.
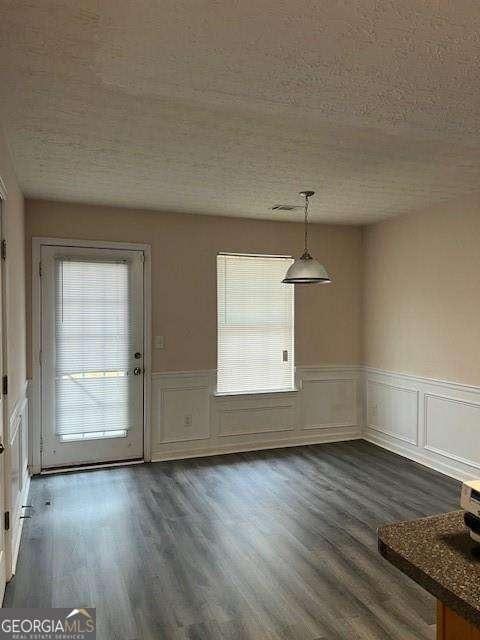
{"type": "Point", "coordinates": [470, 502]}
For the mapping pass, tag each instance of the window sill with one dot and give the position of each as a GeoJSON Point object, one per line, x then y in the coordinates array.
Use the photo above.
{"type": "Point", "coordinates": [233, 394]}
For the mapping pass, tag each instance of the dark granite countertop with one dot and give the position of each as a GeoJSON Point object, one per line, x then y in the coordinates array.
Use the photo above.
{"type": "Point", "coordinates": [439, 555]}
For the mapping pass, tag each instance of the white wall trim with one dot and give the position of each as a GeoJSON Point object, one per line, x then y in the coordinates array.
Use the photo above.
{"type": "Point", "coordinates": [36, 392]}
{"type": "Point", "coordinates": [335, 436]}
{"type": "Point", "coordinates": [20, 404]}
{"type": "Point", "coordinates": [411, 419]}
{"type": "Point", "coordinates": [250, 411]}
{"type": "Point", "coordinates": [35, 423]}
{"type": "Point", "coordinates": [447, 467]}
{"type": "Point", "coordinates": [444, 425]}
{"type": "Point", "coordinates": [353, 416]}
{"type": "Point", "coordinates": [330, 367]}
{"type": "Point", "coordinates": [18, 530]}
{"type": "Point", "coordinates": [460, 386]}
{"type": "Point", "coordinates": [414, 428]}
{"type": "Point", "coordinates": [440, 451]}
{"type": "Point", "coordinates": [189, 420]}
{"type": "Point", "coordinates": [17, 477]}
{"type": "Point", "coordinates": [374, 427]}
{"type": "Point", "coordinates": [453, 457]}
{"type": "Point", "coordinates": [392, 435]}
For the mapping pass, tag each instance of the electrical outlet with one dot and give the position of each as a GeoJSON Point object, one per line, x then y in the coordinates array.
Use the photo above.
{"type": "Point", "coordinates": [188, 420]}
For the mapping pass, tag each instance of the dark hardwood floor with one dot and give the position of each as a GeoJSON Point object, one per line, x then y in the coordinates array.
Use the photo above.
{"type": "Point", "coordinates": [272, 545]}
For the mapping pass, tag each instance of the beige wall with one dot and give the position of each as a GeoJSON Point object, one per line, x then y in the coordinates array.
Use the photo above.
{"type": "Point", "coordinates": [421, 284]}
{"type": "Point", "coordinates": [422, 293]}
{"type": "Point", "coordinates": [15, 277]}
{"type": "Point", "coordinates": [184, 276]}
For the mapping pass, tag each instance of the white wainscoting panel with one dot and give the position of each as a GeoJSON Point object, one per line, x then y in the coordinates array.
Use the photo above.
{"type": "Point", "coordinates": [185, 415]}
{"type": "Point", "coordinates": [452, 428]}
{"type": "Point", "coordinates": [181, 408]}
{"type": "Point", "coordinates": [393, 410]}
{"type": "Point", "coordinates": [189, 420]}
{"type": "Point", "coordinates": [434, 422]}
{"type": "Point", "coordinates": [251, 415]}
{"type": "Point", "coordinates": [329, 403]}
{"type": "Point", "coordinates": [17, 471]}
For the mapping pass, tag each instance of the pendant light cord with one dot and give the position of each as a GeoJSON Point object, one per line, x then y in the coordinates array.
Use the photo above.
{"type": "Point", "coordinates": [306, 224]}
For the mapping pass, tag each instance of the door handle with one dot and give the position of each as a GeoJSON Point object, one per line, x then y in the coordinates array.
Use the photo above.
{"type": "Point", "coordinates": [2, 447]}
{"type": "Point", "coordinates": [137, 371]}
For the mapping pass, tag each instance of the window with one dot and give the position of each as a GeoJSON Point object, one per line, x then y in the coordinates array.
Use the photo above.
{"type": "Point", "coordinates": [255, 324]}
{"type": "Point", "coordinates": [93, 342]}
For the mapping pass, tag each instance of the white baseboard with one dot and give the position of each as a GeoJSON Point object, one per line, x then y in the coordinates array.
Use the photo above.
{"type": "Point", "coordinates": [354, 434]}
{"type": "Point", "coordinates": [423, 459]}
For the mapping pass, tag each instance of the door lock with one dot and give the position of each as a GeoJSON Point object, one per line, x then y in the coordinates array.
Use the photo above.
{"type": "Point", "coordinates": [137, 355]}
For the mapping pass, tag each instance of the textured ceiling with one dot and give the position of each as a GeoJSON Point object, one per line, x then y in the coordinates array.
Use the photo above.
{"type": "Point", "coordinates": [229, 107]}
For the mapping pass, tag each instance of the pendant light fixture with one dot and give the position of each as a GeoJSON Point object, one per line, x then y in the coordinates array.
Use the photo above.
{"type": "Point", "coordinates": [306, 270]}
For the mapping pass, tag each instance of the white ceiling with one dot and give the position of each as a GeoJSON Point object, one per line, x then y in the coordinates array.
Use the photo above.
{"type": "Point", "coordinates": [227, 107]}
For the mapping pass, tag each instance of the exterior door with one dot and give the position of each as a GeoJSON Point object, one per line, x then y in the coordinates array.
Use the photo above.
{"type": "Point", "coordinates": [91, 355]}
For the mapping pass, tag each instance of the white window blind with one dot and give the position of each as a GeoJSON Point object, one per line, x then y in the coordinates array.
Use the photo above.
{"type": "Point", "coordinates": [93, 341]}
{"type": "Point", "coordinates": [255, 324]}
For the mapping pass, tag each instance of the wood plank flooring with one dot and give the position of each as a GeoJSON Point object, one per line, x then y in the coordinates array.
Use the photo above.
{"type": "Point", "coordinates": [271, 545]}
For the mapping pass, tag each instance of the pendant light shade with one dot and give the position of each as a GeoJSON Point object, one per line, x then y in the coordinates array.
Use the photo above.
{"type": "Point", "coordinates": [306, 270]}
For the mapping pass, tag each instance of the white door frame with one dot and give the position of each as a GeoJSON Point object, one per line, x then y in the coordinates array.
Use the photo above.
{"type": "Point", "coordinates": [36, 421]}
{"type": "Point", "coordinates": [7, 484]}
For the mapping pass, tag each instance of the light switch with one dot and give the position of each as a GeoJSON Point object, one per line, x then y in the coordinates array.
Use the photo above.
{"type": "Point", "coordinates": [159, 342]}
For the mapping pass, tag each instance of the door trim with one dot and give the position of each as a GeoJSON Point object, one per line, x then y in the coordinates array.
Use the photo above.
{"type": "Point", "coordinates": [7, 480]}
{"type": "Point", "coordinates": [36, 413]}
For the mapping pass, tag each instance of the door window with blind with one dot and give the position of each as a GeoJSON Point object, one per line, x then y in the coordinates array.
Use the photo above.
{"type": "Point", "coordinates": [93, 342]}
{"type": "Point", "coordinates": [255, 324]}
{"type": "Point", "coordinates": [92, 355]}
